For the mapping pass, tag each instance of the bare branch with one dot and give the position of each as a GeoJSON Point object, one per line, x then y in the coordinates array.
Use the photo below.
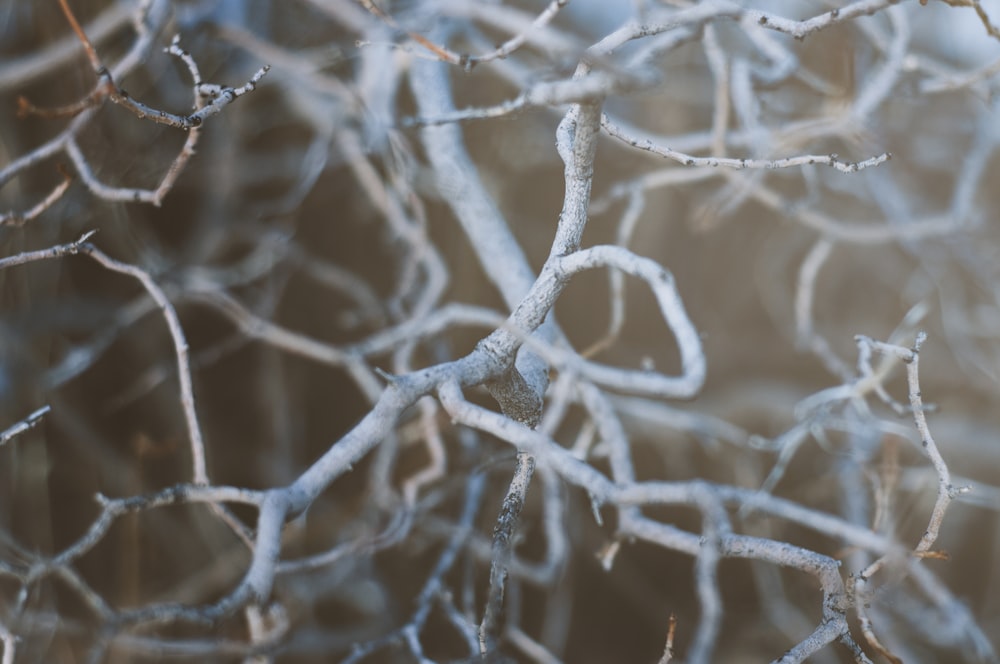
{"type": "Point", "coordinates": [377, 280]}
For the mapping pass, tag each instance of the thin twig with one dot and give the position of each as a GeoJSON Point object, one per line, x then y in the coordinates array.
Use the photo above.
{"type": "Point", "coordinates": [668, 649]}
{"type": "Point", "coordinates": [20, 427]}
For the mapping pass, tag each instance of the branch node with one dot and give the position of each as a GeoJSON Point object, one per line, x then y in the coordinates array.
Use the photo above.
{"type": "Point", "coordinates": [516, 398]}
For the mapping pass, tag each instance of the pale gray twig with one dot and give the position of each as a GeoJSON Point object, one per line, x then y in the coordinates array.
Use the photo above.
{"type": "Point", "coordinates": [28, 422]}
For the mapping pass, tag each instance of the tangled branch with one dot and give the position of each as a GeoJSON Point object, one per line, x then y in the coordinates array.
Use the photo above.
{"type": "Point", "coordinates": [339, 410]}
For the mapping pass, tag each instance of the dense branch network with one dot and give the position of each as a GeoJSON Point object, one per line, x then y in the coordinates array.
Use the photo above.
{"type": "Point", "coordinates": [564, 425]}
{"type": "Point", "coordinates": [209, 99]}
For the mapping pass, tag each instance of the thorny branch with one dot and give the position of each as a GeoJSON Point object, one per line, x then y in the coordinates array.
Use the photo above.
{"type": "Point", "coordinates": [332, 417]}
